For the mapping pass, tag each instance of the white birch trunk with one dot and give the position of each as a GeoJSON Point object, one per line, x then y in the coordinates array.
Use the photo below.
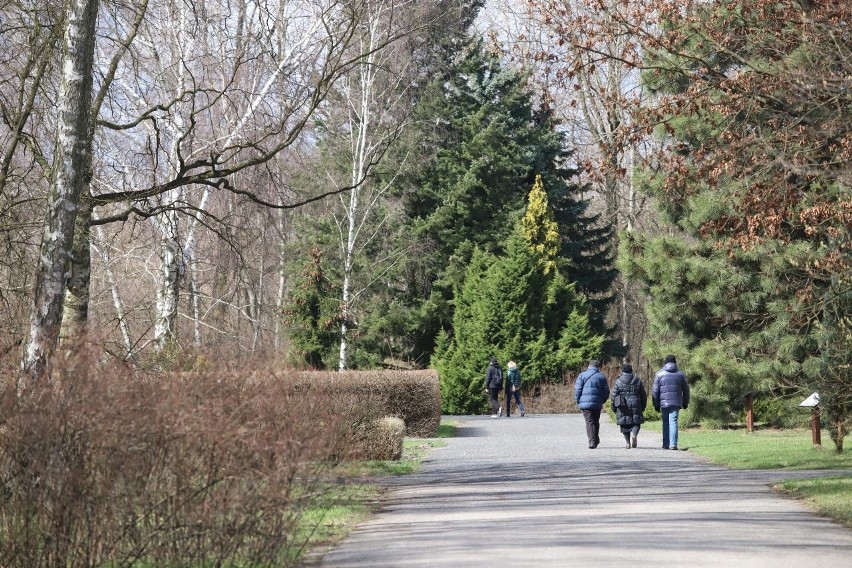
{"type": "Point", "coordinates": [73, 146]}
{"type": "Point", "coordinates": [370, 89]}
{"type": "Point", "coordinates": [76, 309]}
{"type": "Point", "coordinates": [360, 114]}
{"type": "Point", "coordinates": [172, 265]}
{"type": "Point", "coordinates": [117, 302]}
{"type": "Point", "coordinates": [171, 270]}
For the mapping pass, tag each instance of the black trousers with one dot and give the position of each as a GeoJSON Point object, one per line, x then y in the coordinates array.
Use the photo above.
{"type": "Point", "coordinates": [512, 394]}
{"type": "Point", "coordinates": [593, 425]}
{"type": "Point", "coordinates": [495, 403]}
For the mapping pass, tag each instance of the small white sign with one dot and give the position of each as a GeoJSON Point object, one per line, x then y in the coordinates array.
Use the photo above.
{"type": "Point", "coordinates": [812, 400]}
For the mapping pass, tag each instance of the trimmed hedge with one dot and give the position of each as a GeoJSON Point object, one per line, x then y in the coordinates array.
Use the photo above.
{"type": "Point", "coordinates": [384, 438]}
{"type": "Point", "coordinates": [413, 396]}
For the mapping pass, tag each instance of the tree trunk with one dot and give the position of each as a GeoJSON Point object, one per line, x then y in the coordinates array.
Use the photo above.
{"type": "Point", "coordinates": [73, 148]}
{"type": "Point", "coordinates": [171, 271]}
{"type": "Point", "coordinates": [76, 313]}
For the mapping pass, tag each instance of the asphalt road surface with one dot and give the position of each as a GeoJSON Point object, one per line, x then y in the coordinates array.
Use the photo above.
{"type": "Point", "coordinates": [529, 492]}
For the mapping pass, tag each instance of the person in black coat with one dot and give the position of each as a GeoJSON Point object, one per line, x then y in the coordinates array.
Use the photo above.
{"type": "Point", "coordinates": [493, 384]}
{"type": "Point", "coordinates": [629, 400]}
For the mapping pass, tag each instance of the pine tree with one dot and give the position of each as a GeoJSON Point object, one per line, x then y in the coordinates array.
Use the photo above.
{"type": "Point", "coordinates": [761, 197]}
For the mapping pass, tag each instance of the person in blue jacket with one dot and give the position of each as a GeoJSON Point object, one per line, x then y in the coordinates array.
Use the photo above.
{"type": "Point", "coordinates": [591, 390]}
{"type": "Point", "coordinates": [669, 394]}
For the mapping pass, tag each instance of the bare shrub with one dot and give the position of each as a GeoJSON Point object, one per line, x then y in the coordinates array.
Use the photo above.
{"type": "Point", "coordinates": [99, 467]}
{"type": "Point", "coordinates": [551, 398]}
{"type": "Point", "coordinates": [558, 397]}
{"type": "Point", "coordinates": [384, 438]}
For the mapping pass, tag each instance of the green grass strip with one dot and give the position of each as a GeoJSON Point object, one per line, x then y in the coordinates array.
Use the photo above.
{"type": "Point", "coordinates": [349, 503]}
{"type": "Point", "coordinates": [830, 496]}
{"type": "Point", "coordinates": [764, 449]}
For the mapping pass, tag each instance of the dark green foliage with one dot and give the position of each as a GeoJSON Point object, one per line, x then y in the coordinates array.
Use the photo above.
{"type": "Point", "coordinates": [483, 148]}
{"type": "Point", "coordinates": [507, 307]}
{"type": "Point", "coordinates": [462, 358]}
{"type": "Point", "coordinates": [587, 246]}
{"type": "Point", "coordinates": [313, 315]}
{"type": "Point", "coordinates": [753, 294]}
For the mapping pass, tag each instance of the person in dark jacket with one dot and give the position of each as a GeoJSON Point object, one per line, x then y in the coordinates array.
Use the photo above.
{"type": "Point", "coordinates": [630, 391]}
{"type": "Point", "coordinates": [590, 392]}
{"type": "Point", "coordinates": [493, 384]}
{"type": "Point", "coordinates": [669, 394]}
{"type": "Point", "coordinates": [513, 388]}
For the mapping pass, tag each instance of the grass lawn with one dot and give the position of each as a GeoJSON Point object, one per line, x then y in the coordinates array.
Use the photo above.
{"type": "Point", "coordinates": [782, 449]}
{"type": "Point", "coordinates": [765, 449]}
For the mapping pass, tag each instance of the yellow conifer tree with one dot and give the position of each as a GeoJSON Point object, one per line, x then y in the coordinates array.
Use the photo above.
{"type": "Point", "coordinates": [539, 227]}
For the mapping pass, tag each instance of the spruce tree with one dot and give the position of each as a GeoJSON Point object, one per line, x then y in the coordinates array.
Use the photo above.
{"type": "Point", "coordinates": [514, 306]}
{"type": "Point", "coordinates": [313, 315]}
{"type": "Point", "coordinates": [488, 144]}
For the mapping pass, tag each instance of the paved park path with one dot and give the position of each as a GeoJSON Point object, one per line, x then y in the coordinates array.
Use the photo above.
{"type": "Point", "coordinates": [528, 492]}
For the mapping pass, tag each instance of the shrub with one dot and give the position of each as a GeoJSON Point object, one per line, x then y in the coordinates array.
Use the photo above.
{"type": "Point", "coordinates": [384, 438]}
{"type": "Point", "coordinates": [99, 467]}
{"type": "Point", "coordinates": [550, 398]}
{"type": "Point", "coordinates": [413, 396]}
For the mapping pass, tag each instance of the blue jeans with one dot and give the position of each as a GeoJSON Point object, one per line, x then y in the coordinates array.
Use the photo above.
{"type": "Point", "coordinates": [670, 414]}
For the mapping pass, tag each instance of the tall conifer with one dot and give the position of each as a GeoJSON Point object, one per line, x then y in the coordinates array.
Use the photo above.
{"type": "Point", "coordinates": [514, 305]}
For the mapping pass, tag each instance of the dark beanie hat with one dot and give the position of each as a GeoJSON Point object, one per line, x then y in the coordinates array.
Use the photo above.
{"type": "Point", "coordinates": [671, 359]}
{"type": "Point", "coordinates": [627, 369]}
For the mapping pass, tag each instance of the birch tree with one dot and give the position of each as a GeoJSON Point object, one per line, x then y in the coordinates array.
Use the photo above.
{"type": "Point", "coordinates": [377, 104]}
{"type": "Point", "coordinates": [73, 147]}
{"type": "Point", "coordinates": [205, 118]}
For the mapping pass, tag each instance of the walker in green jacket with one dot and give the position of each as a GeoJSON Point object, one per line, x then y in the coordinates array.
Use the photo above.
{"type": "Point", "coordinates": [513, 388]}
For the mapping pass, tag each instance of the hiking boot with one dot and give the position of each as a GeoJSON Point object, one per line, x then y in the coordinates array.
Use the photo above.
{"type": "Point", "coordinates": [633, 440]}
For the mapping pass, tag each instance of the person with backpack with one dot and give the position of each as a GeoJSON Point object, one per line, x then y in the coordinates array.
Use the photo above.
{"type": "Point", "coordinates": [513, 389]}
{"type": "Point", "coordinates": [590, 392]}
{"type": "Point", "coordinates": [493, 384]}
{"type": "Point", "coordinates": [629, 400]}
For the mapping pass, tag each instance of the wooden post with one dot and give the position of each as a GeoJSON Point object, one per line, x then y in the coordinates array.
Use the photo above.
{"type": "Point", "coordinates": [749, 413]}
{"type": "Point", "coordinates": [815, 428]}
